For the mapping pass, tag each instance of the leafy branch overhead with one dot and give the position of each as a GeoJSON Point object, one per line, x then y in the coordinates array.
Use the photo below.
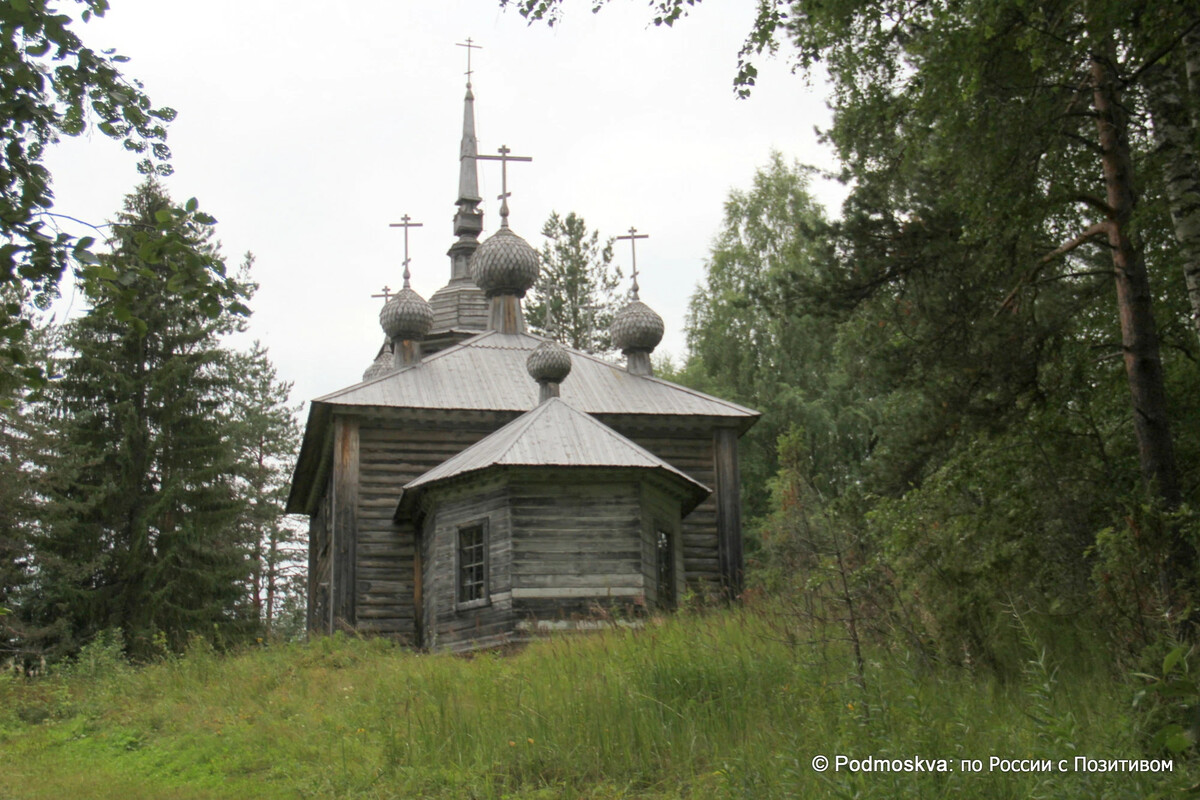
{"type": "Point", "coordinates": [770, 17]}
{"type": "Point", "coordinates": [52, 84]}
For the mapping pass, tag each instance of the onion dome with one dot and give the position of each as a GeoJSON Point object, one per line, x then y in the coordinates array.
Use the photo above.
{"type": "Point", "coordinates": [636, 327]}
{"type": "Point", "coordinates": [381, 366]}
{"type": "Point", "coordinates": [406, 315]}
{"type": "Point", "coordinates": [505, 264]}
{"type": "Point", "coordinates": [549, 363]}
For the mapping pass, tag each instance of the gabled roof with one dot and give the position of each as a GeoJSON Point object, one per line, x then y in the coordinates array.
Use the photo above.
{"type": "Point", "coordinates": [556, 435]}
{"type": "Point", "coordinates": [487, 373]}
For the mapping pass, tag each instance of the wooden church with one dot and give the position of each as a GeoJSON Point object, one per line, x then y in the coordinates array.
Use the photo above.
{"type": "Point", "coordinates": [483, 484]}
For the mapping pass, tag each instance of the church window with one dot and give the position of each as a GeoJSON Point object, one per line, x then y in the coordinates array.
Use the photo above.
{"type": "Point", "coordinates": [665, 568]}
{"type": "Point", "coordinates": [472, 565]}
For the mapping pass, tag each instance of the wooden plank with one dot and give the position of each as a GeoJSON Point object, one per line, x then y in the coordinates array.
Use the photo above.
{"type": "Point", "coordinates": [344, 519]}
{"type": "Point", "coordinates": [315, 536]}
{"type": "Point", "coordinates": [578, 567]}
{"type": "Point", "coordinates": [599, 581]}
{"type": "Point", "coordinates": [729, 511]}
{"type": "Point", "coordinates": [520, 593]}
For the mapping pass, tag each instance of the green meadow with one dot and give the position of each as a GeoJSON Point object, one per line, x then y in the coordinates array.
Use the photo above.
{"type": "Point", "coordinates": [727, 704]}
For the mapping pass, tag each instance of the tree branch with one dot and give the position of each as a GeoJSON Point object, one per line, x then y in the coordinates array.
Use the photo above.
{"type": "Point", "coordinates": [1090, 233]}
{"type": "Point", "coordinates": [1159, 54]}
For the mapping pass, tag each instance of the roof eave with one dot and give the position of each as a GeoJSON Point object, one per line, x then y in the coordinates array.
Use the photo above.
{"type": "Point", "coordinates": [302, 497]}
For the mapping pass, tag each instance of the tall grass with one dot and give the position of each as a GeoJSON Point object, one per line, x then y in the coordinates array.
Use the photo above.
{"type": "Point", "coordinates": [697, 706]}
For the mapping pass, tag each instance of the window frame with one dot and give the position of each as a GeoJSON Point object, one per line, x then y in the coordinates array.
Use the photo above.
{"type": "Point", "coordinates": [665, 596]}
{"type": "Point", "coordinates": [485, 597]}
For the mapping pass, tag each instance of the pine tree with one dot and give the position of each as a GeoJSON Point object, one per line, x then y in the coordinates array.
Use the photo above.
{"type": "Point", "coordinates": [576, 297]}
{"type": "Point", "coordinates": [140, 530]}
{"type": "Point", "coordinates": [267, 439]}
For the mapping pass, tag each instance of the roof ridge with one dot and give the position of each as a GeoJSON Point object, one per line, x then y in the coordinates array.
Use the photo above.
{"type": "Point", "coordinates": [519, 426]}
{"type": "Point", "coordinates": [672, 384]}
{"type": "Point", "coordinates": [612, 434]}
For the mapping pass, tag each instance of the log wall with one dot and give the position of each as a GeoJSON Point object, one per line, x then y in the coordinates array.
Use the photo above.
{"type": "Point", "coordinates": [690, 452]}
{"type": "Point", "coordinates": [392, 453]}
{"type": "Point", "coordinates": [389, 449]}
{"type": "Point", "coordinates": [575, 546]}
{"type": "Point", "coordinates": [319, 562]}
{"type": "Point", "coordinates": [447, 625]}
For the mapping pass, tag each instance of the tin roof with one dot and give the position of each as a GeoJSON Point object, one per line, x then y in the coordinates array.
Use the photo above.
{"type": "Point", "coordinates": [556, 435]}
{"type": "Point", "coordinates": [488, 373]}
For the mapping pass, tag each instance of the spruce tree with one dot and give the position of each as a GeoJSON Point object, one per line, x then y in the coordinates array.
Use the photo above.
{"type": "Point", "coordinates": [140, 530]}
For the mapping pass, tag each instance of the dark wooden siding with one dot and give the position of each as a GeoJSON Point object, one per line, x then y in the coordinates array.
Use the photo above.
{"type": "Point", "coordinates": [727, 491]}
{"type": "Point", "coordinates": [450, 627]}
{"type": "Point", "coordinates": [660, 511]}
{"type": "Point", "coordinates": [576, 545]}
{"type": "Point", "coordinates": [692, 454]}
{"type": "Point", "coordinates": [393, 450]}
{"type": "Point", "coordinates": [319, 568]}
{"type": "Point", "coordinates": [344, 521]}
{"type": "Point", "coordinates": [391, 454]}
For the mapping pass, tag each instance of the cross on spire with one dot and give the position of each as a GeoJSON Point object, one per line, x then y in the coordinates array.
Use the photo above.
{"type": "Point", "coordinates": [469, 47]}
{"type": "Point", "coordinates": [504, 158]}
{"type": "Point", "coordinates": [386, 295]}
{"type": "Point", "coordinates": [591, 309]}
{"type": "Point", "coordinates": [633, 237]}
{"type": "Point", "coordinates": [406, 223]}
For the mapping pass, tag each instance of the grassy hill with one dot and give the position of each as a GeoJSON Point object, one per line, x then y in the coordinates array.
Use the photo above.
{"type": "Point", "coordinates": [717, 705]}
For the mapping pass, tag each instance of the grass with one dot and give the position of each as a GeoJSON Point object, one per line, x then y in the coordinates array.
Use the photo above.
{"type": "Point", "coordinates": [698, 706]}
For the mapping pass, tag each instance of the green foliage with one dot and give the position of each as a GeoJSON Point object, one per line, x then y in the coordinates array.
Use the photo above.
{"type": "Point", "coordinates": [955, 401]}
{"type": "Point", "coordinates": [23, 439]}
{"type": "Point", "coordinates": [53, 84]}
{"type": "Point", "coordinates": [266, 437]}
{"type": "Point", "coordinates": [771, 17]}
{"type": "Point", "coordinates": [700, 707]}
{"type": "Point", "coordinates": [576, 297]}
{"type": "Point", "coordinates": [752, 339]}
{"type": "Point", "coordinates": [101, 658]}
{"type": "Point", "coordinates": [1170, 702]}
{"type": "Point", "coordinates": [139, 530]}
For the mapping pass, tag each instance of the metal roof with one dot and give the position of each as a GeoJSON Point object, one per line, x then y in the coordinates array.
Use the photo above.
{"type": "Point", "coordinates": [488, 373]}
{"type": "Point", "coordinates": [556, 435]}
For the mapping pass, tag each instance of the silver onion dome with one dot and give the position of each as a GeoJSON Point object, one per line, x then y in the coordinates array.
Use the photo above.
{"type": "Point", "coordinates": [636, 327]}
{"type": "Point", "coordinates": [505, 264]}
{"type": "Point", "coordinates": [406, 315]}
{"type": "Point", "coordinates": [549, 363]}
{"type": "Point", "coordinates": [382, 364]}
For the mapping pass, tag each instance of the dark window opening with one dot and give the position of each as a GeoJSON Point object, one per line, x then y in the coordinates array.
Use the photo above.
{"type": "Point", "coordinates": [665, 569]}
{"type": "Point", "coordinates": [472, 565]}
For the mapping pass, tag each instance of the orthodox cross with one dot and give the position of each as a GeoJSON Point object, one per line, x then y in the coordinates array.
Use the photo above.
{"type": "Point", "coordinates": [633, 237]}
{"type": "Point", "coordinates": [591, 309]}
{"type": "Point", "coordinates": [406, 223]}
{"type": "Point", "coordinates": [504, 158]}
{"type": "Point", "coordinates": [469, 47]}
{"type": "Point", "coordinates": [387, 294]}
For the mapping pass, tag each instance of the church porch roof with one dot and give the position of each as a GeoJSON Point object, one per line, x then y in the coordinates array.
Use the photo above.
{"type": "Point", "coordinates": [555, 435]}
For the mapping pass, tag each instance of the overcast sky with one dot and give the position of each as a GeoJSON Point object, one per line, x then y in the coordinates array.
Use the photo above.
{"type": "Point", "coordinates": [305, 128]}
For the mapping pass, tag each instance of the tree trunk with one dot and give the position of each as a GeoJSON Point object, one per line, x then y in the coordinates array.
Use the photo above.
{"type": "Point", "coordinates": [1139, 334]}
{"type": "Point", "coordinates": [272, 577]}
{"type": "Point", "coordinates": [1173, 139]}
{"type": "Point", "coordinates": [1191, 60]}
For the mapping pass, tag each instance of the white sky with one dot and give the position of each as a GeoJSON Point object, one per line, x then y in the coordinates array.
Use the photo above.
{"type": "Point", "coordinates": [306, 127]}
